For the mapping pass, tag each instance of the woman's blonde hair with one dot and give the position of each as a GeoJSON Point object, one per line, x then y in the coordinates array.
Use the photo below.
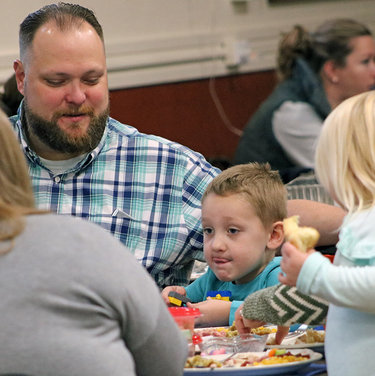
{"type": "Point", "coordinates": [258, 184]}
{"type": "Point", "coordinates": [331, 41]}
{"type": "Point", "coordinates": [345, 154]}
{"type": "Point", "coordinates": [16, 195]}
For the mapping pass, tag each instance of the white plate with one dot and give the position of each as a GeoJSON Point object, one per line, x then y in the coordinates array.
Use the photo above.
{"type": "Point", "coordinates": [261, 370]}
{"type": "Point", "coordinates": [291, 344]}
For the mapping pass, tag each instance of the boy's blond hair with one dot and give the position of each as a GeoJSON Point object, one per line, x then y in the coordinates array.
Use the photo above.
{"type": "Point", "coordinates": [258, 184]}
{"type": "Point", "coordinates": [345, 154]}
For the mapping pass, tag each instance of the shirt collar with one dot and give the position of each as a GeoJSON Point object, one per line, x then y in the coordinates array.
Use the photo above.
{"type": "Point", "coordinates": [34, 158]}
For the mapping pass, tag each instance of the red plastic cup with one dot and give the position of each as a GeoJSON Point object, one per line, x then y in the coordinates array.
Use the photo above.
{"type": "Point", "coordinates": [185, 319]}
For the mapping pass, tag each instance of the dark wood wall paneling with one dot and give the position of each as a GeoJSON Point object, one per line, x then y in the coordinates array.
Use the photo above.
{"type": "Point", "coordinates": [185, 112]}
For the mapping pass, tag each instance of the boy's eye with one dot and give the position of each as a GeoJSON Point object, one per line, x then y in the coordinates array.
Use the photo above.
{"type": "Point", "coordinates": [207, 231]}
{"type": "Point", "coordinates": [232, 231]}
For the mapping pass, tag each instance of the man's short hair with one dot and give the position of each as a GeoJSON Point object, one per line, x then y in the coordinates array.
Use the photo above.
{"type": "Point", "coordinates": [65, 16]}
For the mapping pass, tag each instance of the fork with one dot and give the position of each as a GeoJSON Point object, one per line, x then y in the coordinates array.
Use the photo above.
{"type": "Point", "coordinates": [297, 333]}
{"type": "Point", "coordinates": [228, 357]}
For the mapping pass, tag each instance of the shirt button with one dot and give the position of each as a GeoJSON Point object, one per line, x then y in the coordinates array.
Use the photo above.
{"type": "Point", "coordinates": [57, 179]}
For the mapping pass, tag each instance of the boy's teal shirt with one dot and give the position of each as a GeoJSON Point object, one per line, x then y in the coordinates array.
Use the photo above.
{"type": "Point", "coordinates": [197, 291]}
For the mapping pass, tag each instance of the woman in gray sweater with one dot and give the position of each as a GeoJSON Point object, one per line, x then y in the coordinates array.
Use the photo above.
{"type": "Point", "coordinates": [74, 300]}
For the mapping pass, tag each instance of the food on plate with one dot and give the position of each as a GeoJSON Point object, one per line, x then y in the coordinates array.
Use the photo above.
{"type": "Point", "coordinates": [198, 361]}
{"type": "Point", "coordinates": [245, 360]}
{"type": "Point", "coordinates": [262, 330]}
{"type": "Point", "coordinates": [279, 359]}
{"type": "Point", "coordinates": [271, 357]}
{"type": "Point", "coordinates": [231, 331]}
{"type": "Point", "coordinates": [219, 331]}
{"type": "Point", "coordinates": [311, 336]}
{"type": "Point", "coordinates": [302, 238]}
{"type": "Point", "coordinates": [271, 340]}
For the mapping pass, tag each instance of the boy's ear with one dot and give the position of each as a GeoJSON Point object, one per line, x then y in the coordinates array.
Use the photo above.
{"type": "Point", "coordinates": [276, 236]}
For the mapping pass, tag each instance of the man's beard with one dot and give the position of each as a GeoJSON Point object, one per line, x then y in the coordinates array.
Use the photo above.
{"type": "Point", "coordinates": [58, 140]}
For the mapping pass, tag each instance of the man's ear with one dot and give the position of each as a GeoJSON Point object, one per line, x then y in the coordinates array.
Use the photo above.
{"type": "Point", "coordinates": [20, 75]}
{"type": "Point", "coordinates": [276, 236]}
{"type": "Point", "coordinates": [330, 71]}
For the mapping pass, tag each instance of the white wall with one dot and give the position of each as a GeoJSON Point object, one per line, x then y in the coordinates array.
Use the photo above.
{"type": "Point", "coordinates": [156, 41]}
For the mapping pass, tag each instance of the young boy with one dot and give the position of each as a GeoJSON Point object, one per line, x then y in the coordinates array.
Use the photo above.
{"type": "Point", "coordinates": [242, 213]}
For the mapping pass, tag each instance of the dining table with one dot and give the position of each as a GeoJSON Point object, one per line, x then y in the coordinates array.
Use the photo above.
{"type": "Point", "coordinates": [315, 366]}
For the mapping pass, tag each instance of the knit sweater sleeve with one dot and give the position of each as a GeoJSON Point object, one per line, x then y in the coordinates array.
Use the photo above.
{"type": "Point", "coordinates": [284, 305]}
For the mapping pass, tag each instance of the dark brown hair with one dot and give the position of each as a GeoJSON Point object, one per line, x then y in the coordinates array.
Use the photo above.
{"type": "Point", "coordinates": [65, 16]}
{"type": "Point", "coordinates": [330, 41]}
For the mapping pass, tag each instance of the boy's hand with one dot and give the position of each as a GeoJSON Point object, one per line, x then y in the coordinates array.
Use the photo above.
{"type": "Point", "coordinates": [291, 263]}
{"type": "Point", "coordinates": [164, 294]}
{"type": "Point", "coordinates": [214, 312]}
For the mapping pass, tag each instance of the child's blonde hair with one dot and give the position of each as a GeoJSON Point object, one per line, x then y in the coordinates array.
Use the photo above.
{"type": "Point", "coordinates": [345, 154]}
{"type": "Point", "coordinates": [258, 184]}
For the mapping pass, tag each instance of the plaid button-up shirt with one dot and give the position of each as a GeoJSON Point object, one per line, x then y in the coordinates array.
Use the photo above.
{"type": "Point", "coordinates": [144, 189]}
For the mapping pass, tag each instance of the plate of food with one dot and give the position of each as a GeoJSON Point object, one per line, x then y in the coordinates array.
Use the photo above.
{"type": "Point", "coordinates": [312, 339]}
{"type": "Point", "coordinates": [217, 331]}
{"type": "Point", "coordinates": [271, 362]}
{"type": "Point", "coordinates": [231, 331]}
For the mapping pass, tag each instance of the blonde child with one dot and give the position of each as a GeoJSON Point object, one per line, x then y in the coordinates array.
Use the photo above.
{"type": "Point", "coordinates": [345, 165]}
{"type": "Point", "coordinates": [242, 213]}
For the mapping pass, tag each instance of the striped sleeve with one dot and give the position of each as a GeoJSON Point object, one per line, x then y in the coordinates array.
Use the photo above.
{"type": "Point", "coordinates": [285, 305]}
